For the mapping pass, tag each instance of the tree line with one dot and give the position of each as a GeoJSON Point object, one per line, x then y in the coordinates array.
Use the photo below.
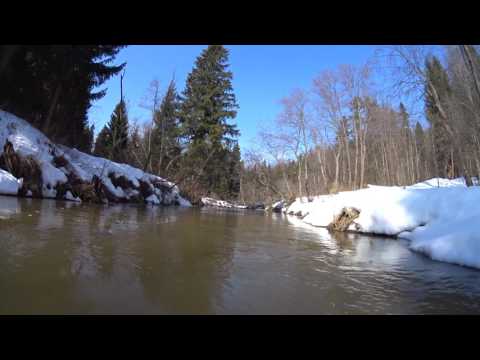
{"type": "Point", "coordinates": [345, 133]}
{"type": "Point", "coordinates": [190, 138]}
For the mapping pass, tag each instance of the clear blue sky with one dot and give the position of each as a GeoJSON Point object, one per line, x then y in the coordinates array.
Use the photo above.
{"type": "Point", "coordinates": [262, 75]}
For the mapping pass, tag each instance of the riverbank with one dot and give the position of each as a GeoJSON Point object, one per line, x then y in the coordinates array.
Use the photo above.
{"type": "Point", "coordinates": [439, 216]}
{"type": "Point", "coordinates": [33, 166]}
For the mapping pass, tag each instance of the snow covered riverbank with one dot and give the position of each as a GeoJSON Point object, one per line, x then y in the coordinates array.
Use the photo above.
{"type": "Point", "coordinates": [35, 166]}
{"type": "Point", "coordinates": [206, 201]}
{"type": "Point", "coordinates": [438, 216]}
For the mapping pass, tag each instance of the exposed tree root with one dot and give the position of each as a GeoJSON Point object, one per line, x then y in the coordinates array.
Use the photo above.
{"type": "Point", "coordinates": [22, 167]}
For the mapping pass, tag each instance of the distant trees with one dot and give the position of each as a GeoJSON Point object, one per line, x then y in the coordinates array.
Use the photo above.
{"type": "Point", "coordinates": [437, 100]}
{"type": "Point", "coordinates": [449, 95]}
{"type": "Point", "coordinates": [189, 138]}
{"type": "Point", "coordinates": [292, 137]}
{"type": "Point", "coordinates": [102, 143]}
{"type": "Point", "coordinates": [166, 134]}
{"type": "Point", "coordinates": [342, 134]}
{"type": "Point", "coordinates": [112, 141]}
{"type": "Point", "coordinates": [342, 102]}
{"type": "Point", "coordinates": [358, 135]}
{"type": "Point", "coordinates": [156, 147]}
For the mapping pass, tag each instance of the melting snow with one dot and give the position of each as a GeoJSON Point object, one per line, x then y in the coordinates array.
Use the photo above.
{"type": "Point", "coordinates": [28, 141]}
{"type": "Point", "coordinates": [438, 216]}
{"type": "Point", "coordinates": [9, 184]}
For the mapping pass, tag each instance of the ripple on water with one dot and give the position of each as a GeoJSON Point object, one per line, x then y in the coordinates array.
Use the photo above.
{"type": "Point", "coordinates": [138, 260]}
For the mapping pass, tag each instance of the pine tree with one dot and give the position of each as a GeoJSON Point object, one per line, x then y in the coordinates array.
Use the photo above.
{"type": "Point", "coordinates": [420, 150]}
{"type": "Point", "coordinates": [472, 62]}
{"type": "Point", "coordinates": [86, 141]}
{"type": "Point", "coordinates": [134, 147]}
{"type": "Point", "coordinates": [101, 143]}
{"type": "Point", "coordinates": [208, 103]}
{"type": "Point", "coordinates": [443, 147]}
{"type": "Point", "coordinates": [112, 141]}
{"type": "Point", "coordinates": [404, 119]}
{"type": "Point", "coordinates": [406, 135]}
{"type": "Point", "coordinates": [234, 172]}
{"type": "Point", "coordinates": [53, 86]}
{"type": "Point", "coordinates": [166, 134]}
{"type": "Point", "coordinates": [118, 130]}
{"type": "Point", "coordinates": [419, 138]}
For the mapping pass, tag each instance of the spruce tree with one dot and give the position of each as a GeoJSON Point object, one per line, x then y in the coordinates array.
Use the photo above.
{"type": "Point", "coordinates": [419, 137]}
{"type": "Point", "coordinates": [134, 147]}
{"type": "Point", "coordinates": [166, 134]}
{"type": "Point", "coordinates": [404, 118]}
{"type": "Point", "coordinates": [234, 172]}
{"type": "Point", "coordinates": [208, 103]}
{"type": "Point", "coordinates": [112, 141]}
{"type": "Point", "coordinates": [117, 143]}
{"type": "Point", "coordinates": [86, 143]}
{"type": "Point", "coordinates": [53, 86]}
{"type": "Point", "coordinates": [101, 143]}
{"type": "Point", "coordinates": [443, 144]}
{"type": "Point", "coordinates": [421, 151]}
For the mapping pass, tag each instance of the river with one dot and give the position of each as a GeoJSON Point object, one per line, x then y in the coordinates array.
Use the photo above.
{"type": "Point", "coordinates": [68, 258]}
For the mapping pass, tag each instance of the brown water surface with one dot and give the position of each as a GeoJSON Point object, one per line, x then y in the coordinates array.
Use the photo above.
{"type": "Point", "coordinates": [68, 258]}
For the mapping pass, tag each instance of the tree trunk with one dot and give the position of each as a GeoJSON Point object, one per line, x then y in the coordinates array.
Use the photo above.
{"type": "Point", "coordinates": [299, 177]}
{"type": "Point", "coordinates": [469, 61]}
{"type": "Point", "coordinates": [337, 159]}
{"type": "Point", "coordinates": [53, 105]}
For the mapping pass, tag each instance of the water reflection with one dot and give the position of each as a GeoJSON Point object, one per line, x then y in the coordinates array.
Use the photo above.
{"type": "Point", "coordinates": [65, 257]}
{"type": "Point", "coordinates": [8, 206]}
{"type": "Point", "coordinates": [362, 250]}
{"type": "Point", "coordinates": [389, 278]}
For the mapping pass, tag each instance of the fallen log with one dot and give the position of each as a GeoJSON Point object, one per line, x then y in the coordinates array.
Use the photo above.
{"type": "Point", "coordinates": [342, 221]}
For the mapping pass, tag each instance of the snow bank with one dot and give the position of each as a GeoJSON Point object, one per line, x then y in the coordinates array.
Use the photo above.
{"type": "Point", "coordinates": [9, 184]}
{"type": "Point", "coordinates": [438, 216]}
{"type": "Point", "coordinates": [152, 199]}
{"type": "Point", "coordinates": [206, 201]}
{"type": "Point", "coordinates": [438, 182]}
{"type": "Point", "coordinates": [28, 141]}
{"type": "Point", "coordinates": [278, 206]}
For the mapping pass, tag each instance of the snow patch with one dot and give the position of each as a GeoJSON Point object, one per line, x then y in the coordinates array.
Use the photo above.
{"type": "Point", "coordinates": [69, 196]}
{"type": "Point", "coordinates": [28, 141]}
{"type": "Point", "coordinates": [206, 201]}
{"type": "Point", "coordinates": [152, 199]}
{"type": "Point", "coordinates": [9, 184]}
{"type": "Point", "coordinates": [438, 216]}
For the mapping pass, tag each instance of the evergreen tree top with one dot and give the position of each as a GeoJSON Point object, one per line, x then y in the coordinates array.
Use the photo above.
{"type": "Point", "coordinates": [119, 116]}
{"type": "Point", "coordinates": [404, 116]}
{"type": "Point", "coordinates": [437, 78]}
{"type": "Point", "coordinates": [437, 74]}
{"type": "Point", "coordinates": [208, 99]}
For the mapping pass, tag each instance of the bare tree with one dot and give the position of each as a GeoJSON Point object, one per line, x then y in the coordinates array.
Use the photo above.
{"type": "Point", "coordinates": [151, 102]}
{"type": "Point", "coordinates": [408, 65]}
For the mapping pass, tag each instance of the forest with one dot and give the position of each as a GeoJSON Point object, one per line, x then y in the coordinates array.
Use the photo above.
{"type": "Point", "coordinates": [409, 114]}
{"type": "Point", "coordinates": [348, 130]}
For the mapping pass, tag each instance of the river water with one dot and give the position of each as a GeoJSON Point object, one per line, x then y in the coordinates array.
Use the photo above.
{"type": "Point", "coordinates": [67, 258]}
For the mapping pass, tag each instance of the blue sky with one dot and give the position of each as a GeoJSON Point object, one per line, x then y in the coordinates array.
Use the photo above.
{"type": "Point", "coordinates": [262, 75]}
